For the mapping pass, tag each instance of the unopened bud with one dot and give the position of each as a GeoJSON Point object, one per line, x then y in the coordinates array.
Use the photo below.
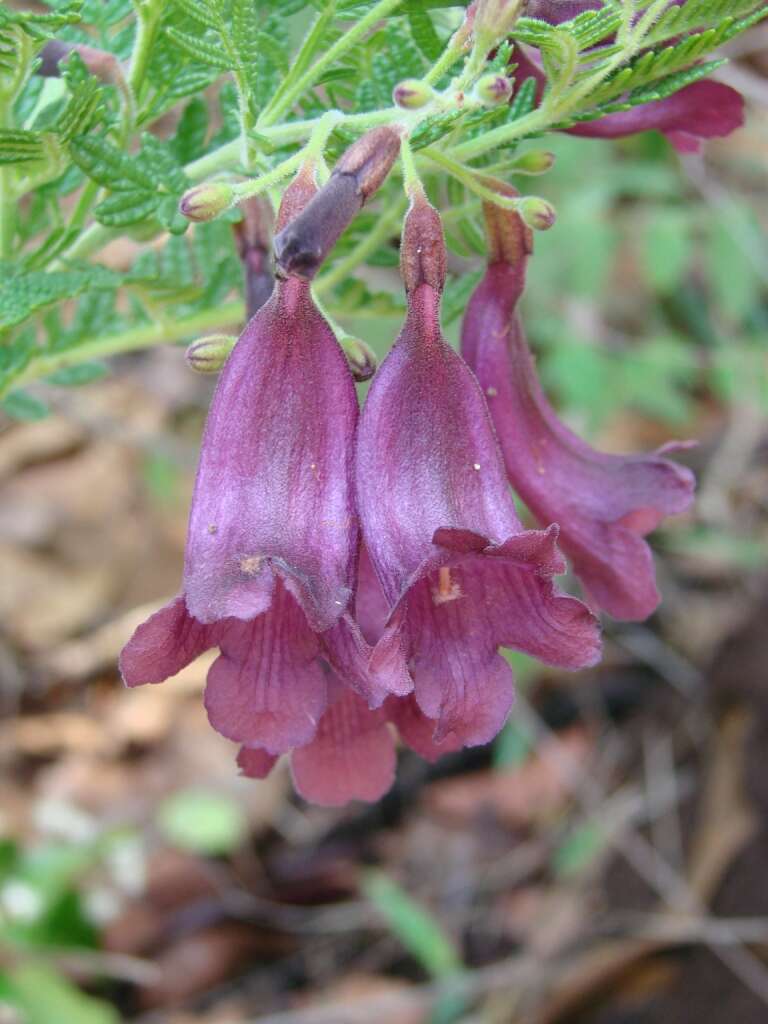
{"type": "Point", "coordinates": [302, 245]}
{"type": "Point", "coordinates": [494, 20]}
{"type": "Point", "coordinates": [204, 202]}
{"type": "Point", "coordinates": [370, 159]}
{"type": "Point", "coordinates": [411, 94]}
{"type": "Point", "coordinates": [422, 250]}
{"type": "Point", "coordinates": [361, 357]}
{"type": "Point", "coordinates": [537, 213]}
{"type": "Point", "coordinates": [253, 238]}
{"type": "Point", "coordinates": [208, 355]}
{"type": "Point", "coordinates": [493, 89]}
{"type": "Point", "coordinates": [538, 161]}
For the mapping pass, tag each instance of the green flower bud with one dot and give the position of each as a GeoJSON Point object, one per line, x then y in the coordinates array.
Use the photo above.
{"type": "Point", "coordinates": [411, 94]}
{"type": "Point", "coordinates": [204, 202]}
{"type": "Point", "coordinates": [361, 358]}
{"type": "Point", "coordinates": [493, 89]}
{"type": "Point", "coordinates": [538, 161]}
{"type": "Point", "coordinates": [208, 355]}
{"type": "Point", "coordinates": [537, 213]}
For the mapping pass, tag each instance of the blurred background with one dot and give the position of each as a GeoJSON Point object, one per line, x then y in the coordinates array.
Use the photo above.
{"type": "Point", "coordinates": [605, 861]}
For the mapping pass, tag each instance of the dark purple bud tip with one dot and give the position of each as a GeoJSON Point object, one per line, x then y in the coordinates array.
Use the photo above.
{"type": "Point", "coordinates": [303, 244]}
{"type": "Point", "coordinates": [204, 202]}
{"type": "Point", "coordinates": [361, 358]}
{"type": "Point", "coordinates": [494, 89]}
{"type": "Point", "coordinates": [208, 355]}
{"type": "Point", "coordinates": [422, 253]}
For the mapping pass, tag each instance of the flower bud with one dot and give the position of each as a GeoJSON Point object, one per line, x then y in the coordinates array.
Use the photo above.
{"type": "Point", "coordinates": [361, 357]}
{"type": "Point", "coordinates": [538, 161]}
{"type": "Point", "coordinates": [302, 245]}
{"type": "Point", "coordinates": [537, 213]}
{"type": "Point", "coordinates": [411, 94]}
{"type": "Point", "coordinates": [494, 20]}
{"type": "Point", "coordinates": [493, 89]}
{"type": "Point", "coordinates": [370, 159]}
{"type": "Point", "coordinates": [204, 202]}
{"type": "Point", "coordinates": [253, 238]}
{"type": "Point", "coordinates": [208, 355]}
{"type": "Point", "coordinates": [422, 251]}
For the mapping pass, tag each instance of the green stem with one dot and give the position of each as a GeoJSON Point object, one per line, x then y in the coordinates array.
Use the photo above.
{"type": "Point", "coordinates": [148, 16]}
{"type": "Point", "coordinates": [304, 81]}
{"type": "Point", "coordinates": [301, 61]}
{"type": "Point", "coordinates": [164, 332]}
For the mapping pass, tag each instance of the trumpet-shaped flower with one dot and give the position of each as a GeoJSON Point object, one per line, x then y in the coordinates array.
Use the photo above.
{"type": "Point", "coordinates": [272, 537]}
{"type": "Point", "coordinates": [604, 504]}
{"type": "Point", "coordinates": [460, 575]}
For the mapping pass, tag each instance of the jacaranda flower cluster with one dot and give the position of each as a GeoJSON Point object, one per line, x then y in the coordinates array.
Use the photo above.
{"type": "Point", "coordinates": [359, 571]}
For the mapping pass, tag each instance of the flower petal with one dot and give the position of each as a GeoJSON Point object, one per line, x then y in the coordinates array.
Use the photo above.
{"type": "Point", "coordinates": [165, 644]}
{"type": "Point", "coordinates": [273, 492]}
{"type": "Point", "coordinates": [267, 687]}
{"type": "Point", "coordinates": [352, 757]}
{"type": "Point", "coordinates": [701, 110]}
{"type": "Point", "coordinates": [418, 731]}
{"type": "Point", "coordinates": [256, 763]}
{"type": "Point", "coordinates": [603, 503]}
{"type": "Point", "coordinates": [427, 455]}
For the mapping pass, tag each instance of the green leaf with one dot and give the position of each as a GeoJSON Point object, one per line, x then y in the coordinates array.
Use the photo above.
{"type": "Point", "coordinates": [415, 927]}
{"type": "Point", "coordinates": [108, 166]}
{"type": "Point", "coordinates": [20, 405]}
{"type": "Point", "coordinates": [524, 100]}
{"type": "Point", "coordinates": [23, 294]}
{"type": "Point", "coordinates": [42, 996]}
{"type": "Point", "coordinates": [76, 376]}
{"type": "Point", "coordinates": [203, 49]}
{"type": "Point", "coordinates": [580, 849]}
{"type": "Point", "coordinates": [698, 14]}
{"type": "Point", "coordinates": [666, 248]}
{"type": "Point", "coordinates": [18, 147]}
{"type": "Point", "coordinates": [202, 821]}
{"type": "Point", "coordinates": [423, 31]}
{"type": "Point", "coordinates": [124, 208]}
{"type": "Point", "coordinates": [189, 140]}
{"type": "Point", "coordinates": [203, 13]}
{"type": "Point", "coordinates": [84, 109]}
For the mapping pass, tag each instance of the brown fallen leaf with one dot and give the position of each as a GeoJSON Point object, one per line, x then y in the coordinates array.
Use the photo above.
{"type": "Point", "coordinates": [518, 796]}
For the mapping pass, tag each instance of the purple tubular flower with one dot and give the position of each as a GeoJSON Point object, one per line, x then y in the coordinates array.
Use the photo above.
{"type": "Point", "coordinates": [460, 575]}
{"type": "Point", "coordinates": [272, 537]}
{"type": "Point", "coordinates": [604, 504]}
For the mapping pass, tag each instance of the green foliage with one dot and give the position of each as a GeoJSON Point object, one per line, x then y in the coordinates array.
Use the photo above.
{"type": "Point", "coordinates": [87, 157]}
{"type": "Point", "coordinates": [415, 927]}
{"type": "Point", "coordinates": [202, 821]}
